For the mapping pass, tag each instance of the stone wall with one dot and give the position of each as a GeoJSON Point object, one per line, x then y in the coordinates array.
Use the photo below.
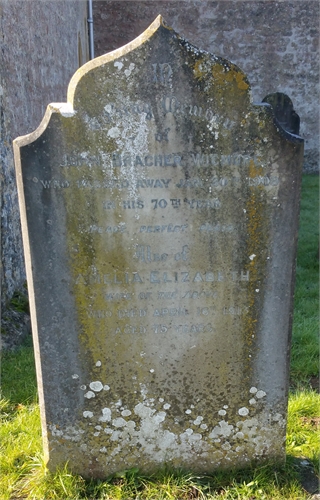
{"type": "Point", "coordinates": [275, 43]}
{"type": "Point", "coordinates": [42, 44]}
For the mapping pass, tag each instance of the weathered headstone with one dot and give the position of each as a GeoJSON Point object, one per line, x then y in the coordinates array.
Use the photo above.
{"type": "Point", "coordinates": [159, 211]}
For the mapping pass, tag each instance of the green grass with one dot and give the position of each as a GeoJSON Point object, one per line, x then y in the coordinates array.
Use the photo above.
{"type": "Point", "coordinates": [304, 352]}
{"type": "Point", "coordinates": [23, 472]}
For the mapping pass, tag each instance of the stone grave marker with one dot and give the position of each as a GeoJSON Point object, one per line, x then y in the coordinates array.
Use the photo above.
{"type": "Point", "coordinates": [159, 211]}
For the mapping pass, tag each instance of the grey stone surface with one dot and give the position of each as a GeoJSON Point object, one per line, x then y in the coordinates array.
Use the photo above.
{"type": "Point", "coordinates": [159, 210]}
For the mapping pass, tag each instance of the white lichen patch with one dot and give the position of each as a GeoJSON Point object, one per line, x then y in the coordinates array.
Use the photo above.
{"type": "Point", "coordinates": [114, 132]}
{"type": "Point", "coordinates": [154, 433]}
{"type": "Point", "coordinates": [128, 71]}
{"type": "Point", "coordinates": [75, 376]}
{"type": "Point", "coordinates": [106, 387]}
{"type": "Point", "coordinates": [243, 411]}
{"type": "Point", "coordinates": [260, 394]}
{"type": "Point", "coordinates": [54, 431]}
{"type": "Point", "coordinates": [106, 415]}
{"type": "Point", "coordinates": [223, 429]}
{"type": "Point", "coordinates": [222, 413]}
{"type": "Point", "coordinates": [98, 363]}
{"type": "Point", "coordinates": [239, 435]}
{"type": "Point", "coordinates": [118, 64]}
{"type": "Point", "coordinates": [89, 395]}
{"type": "Point", "coordinates": [198, 420]}
{"type": "Point", "coordinates": [96, 386]}
{"type": "Point", "coordinates": [87, 414]}
{"type": "Point", "coordinates": [226, 446]}
{"type": "Point", "coordinates": [119, 422]}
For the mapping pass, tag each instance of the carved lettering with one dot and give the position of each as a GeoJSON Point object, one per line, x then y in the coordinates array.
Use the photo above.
{"type": "Point", "coordinates": [118, 296]}
{"type": "Point", "coordinates": [132, 204]}
{"type": "Point", "coordinates": [158, 277]}
{"type": "Point", "coordinates": [160, 328]}
{"type": "Point", "coordinates": [131, 313]}
{"type": "Point", "coordinates": [120, 228]}
{"type": "Point", "coordinates": [195, 294]}
{"type": "Point", "coordinates": [130, 329]}
{"type": "Point", "coordinates": [263, 180]}
{"type": "Point", "coordinates": [235, 311]}
{"type": "Point", "coordinates": [170, 228]}
{"type": "Point", "coordinates": [144, 254]}
{"type": "Point", "coordinates": [153, 183]}
{"type": "Point", "coordinates": [55, 184]}
{"type": "Point", "coordinates": [151, 160]}
{"type": "Point", "coordinates": [162, 73]}
{"type": "Point", "coordinates": [198, 328]}
{"type": "Point", "coordinates": [173, 311]}
{"type": "Point", "coordinates": [162, 136]}
{"type": "Point", "coordinates": [199, 204]}
{"type": "Point", "coordinates": [99, 314]}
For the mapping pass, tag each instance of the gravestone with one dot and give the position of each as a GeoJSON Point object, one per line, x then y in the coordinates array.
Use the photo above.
{"type": "Point", "coordinates": [159, 211]}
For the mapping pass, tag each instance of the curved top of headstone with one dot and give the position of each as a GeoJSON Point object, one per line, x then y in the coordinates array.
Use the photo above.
{"type": "Point", "coordinates": [157, 44]}
{"type": "Point", "coordinates": [158, 62]}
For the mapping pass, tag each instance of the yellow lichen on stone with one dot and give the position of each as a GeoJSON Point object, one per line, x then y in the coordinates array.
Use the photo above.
{"type": "Point", "coordinates": [256, 238]}
{"type": "Point", "coordinates": [198, 70]}
{"type": "Point", "coordinates": [242, 85]}
{"type": "Point", "coordinates": [221, 75]}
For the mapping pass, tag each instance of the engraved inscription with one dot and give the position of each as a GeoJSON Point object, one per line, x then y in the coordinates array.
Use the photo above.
{"type": "Point", "coordinates": [145, 254]}
{"type": "Point", "coordinates": [162, 73]}
{"type": "Point", "coordinates": [150, 160]}
{"type": "Point", "coordinates": [161, 277]}
{"type": "Point", "coordinates": [165, 228]}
